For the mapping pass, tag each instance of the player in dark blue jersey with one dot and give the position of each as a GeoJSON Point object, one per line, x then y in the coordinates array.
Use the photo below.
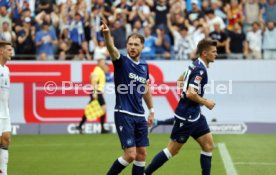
{"type": "Point", "coordinates": [131, 77]}
{"type": "Point", "coordinates": [188, 118]}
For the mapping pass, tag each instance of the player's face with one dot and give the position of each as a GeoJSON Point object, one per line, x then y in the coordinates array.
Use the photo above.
{"type": "Point", "coordinates": [211, 54]}
{"type": "Point", "coordinates": [134, 47]}
{"type": "Point", "coordinates": [7, 52]}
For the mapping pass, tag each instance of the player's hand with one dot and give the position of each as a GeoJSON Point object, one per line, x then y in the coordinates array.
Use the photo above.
{"type": "Point", "coordinates": [150, 119]}
{"type": "Point", "coordinates": [104, 28]}
{"type": "Point", "coordinates": [210, 104]}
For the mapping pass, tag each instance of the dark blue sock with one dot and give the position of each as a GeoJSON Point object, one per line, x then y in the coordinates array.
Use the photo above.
{"type": "Point", "coordinates": [138, 168]}
{"type": "Point", "coordinates": [169, 121]}
{"type": "Point", "coordinates": [117, 166]}
{"type": "Point", "coordinates": [158, 161]}
{"type": "Point", "coordinates": [205, 161]}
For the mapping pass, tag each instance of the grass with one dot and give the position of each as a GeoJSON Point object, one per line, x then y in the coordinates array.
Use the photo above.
{"type": "Point", "coordinates": [94, 154]}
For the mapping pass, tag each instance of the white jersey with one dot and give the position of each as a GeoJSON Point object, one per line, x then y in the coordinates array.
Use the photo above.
{"type": "Point", "coordinates": [4, 91]}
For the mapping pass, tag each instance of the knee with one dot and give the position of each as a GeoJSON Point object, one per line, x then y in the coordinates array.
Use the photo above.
{"type": "Point", "coordinates": [208, 147]}
{"type": "Point", "coordinates": [141, 155]}
{"type": "Point", "coordinates": [6, 141]}
{"type": "Point", "coordinates": [130, 156]}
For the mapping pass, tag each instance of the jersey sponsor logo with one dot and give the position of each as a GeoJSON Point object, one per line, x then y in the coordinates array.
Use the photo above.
{"type": "Point", "coordinates": [137, 78]}
{"type": "Point", "coordinates": [181, 124]}
{"type": "Point", "coordinates": [121, 128]}
{"type": "Point", "coordinates": [201, 72]}
{"type": "Point", "coordinates": [198, 79]}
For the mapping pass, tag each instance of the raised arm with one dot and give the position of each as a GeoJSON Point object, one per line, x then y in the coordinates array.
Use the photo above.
{"type": "Point", "coordinates": [113, 51]}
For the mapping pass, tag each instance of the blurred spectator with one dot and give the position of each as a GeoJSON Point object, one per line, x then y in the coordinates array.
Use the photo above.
{"type": "Point", "coordinates": [184, 46]}
{"type": "Point", "coordinates": [119, 37]}
{"type": "Point", "coordinates": [6, 33]}
{"type": "Point", "coordinates": [213, 19]}
{"type": "Point", "coordinates": [263, 15]}
{"type": "Point", "coordinates": [253, 46]}
{"type": "Point", "coordinates": [5, 16]}
{"type": "Point", "coordinates": [100, 51]}
{"type": "Point", "coordinates": [64, 45]}
{"type": "Point", "coordinates": [140, 11]}
{"type": "Point", "coordinates": [26, 40]}
{"type": "Point", "coordinates": [251, 12]}
{"type": "Point", "coordinates": [45, 41]}
{"type": "Point", "coordinates": [195, 13]}
{"type": "Point", "coordinates": [103, 7]}
{"type": "Point", "coordinates": [5, 3]}
{"type": "Point", "coordinates": [160, 9]}
{"type": "Point", "coordinates": [235, 42]}
{"type": "Point", "coordinates": [18, 23]}
{"type": "Point", "coordinates": [216, 6]}
{"type": "Point", "coordinates": [271, 11]}
{"type": "Point", "coordinates": [269, 41]}
{"type": "Point", "coordinates": [177, 19]}
{"type": "Point", "coordinates": [205, 6]}
{"type": "Point", "coordinates": [44, 5]}
{"type": "Point", "coordinates": [126, 8]}
{"type": "Point", "coordinates": [234, 13]}
{"type": "Point", "coordinates": [198, 30]}
{"type": "Point", "coordinates": [221, 39]}
{"type": "Point", "coordinates": [163, 43]}
{"type": "Point", "coordinates": [138, 28]}
{"type": "Point", "coordinates": [149, 45]}
{"type": "Point", "coordinates": [76, 34]}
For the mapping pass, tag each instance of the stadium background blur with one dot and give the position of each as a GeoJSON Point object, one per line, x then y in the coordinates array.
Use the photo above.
{"type": "Point", "coordinates": [47, 34]}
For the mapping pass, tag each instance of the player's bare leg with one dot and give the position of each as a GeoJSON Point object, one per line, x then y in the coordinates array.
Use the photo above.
{"type": "Point", "coordinates": [4, 155]}
{"type": "Point", "coordinates": [163, 156]}
{"type": "Point", "coordinates": [139, 162]}
{"type": "Point", "coordinates": [123, 161]}
{"type": "Point", "coordinates": [206, 142]}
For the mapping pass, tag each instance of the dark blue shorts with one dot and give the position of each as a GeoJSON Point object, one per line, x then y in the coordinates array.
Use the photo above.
{"type": "Point", "coordinates": [132, 130]}
{"type": "Point", "coordinates": [182, 130]}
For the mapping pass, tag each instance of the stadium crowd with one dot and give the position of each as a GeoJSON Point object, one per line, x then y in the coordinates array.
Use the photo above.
{"type": "Point", "coordinates": [69, 29]}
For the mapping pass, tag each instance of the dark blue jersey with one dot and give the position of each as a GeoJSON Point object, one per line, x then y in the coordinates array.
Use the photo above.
{"type": "Point", "coordinates": [195, 76]}
{"type": "Point", "coordinates": [130, 78]}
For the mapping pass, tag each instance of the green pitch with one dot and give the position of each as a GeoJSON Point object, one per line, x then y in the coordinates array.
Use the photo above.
{"type": "Point", "coordinates": [94, 154]}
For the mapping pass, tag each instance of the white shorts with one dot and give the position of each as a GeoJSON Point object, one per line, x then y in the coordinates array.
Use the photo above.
{"type": "Point", "coordinates": [5, 125]}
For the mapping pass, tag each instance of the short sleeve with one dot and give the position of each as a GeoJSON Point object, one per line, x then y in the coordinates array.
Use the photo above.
{"type": "Point", "coordinates": [197, 79]}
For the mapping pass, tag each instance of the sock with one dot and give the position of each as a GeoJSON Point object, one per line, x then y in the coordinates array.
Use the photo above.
{"type": "Point", "coordinates": [102, 119]}
{"type": "Point", "coordinates": [205, 161]}
{"type": "Point", "coordinates": [117, 166]}
{"type": "Point", "coordinates": [158, 161]}
{"type": "Point", "coordinates": [4, 159]}
{"type": "Point", "coordinates": [83, 120]}
{"type": "Point", "coordinates": [138, 167]}
{"type": "Point", "coordinates": [169, 121]}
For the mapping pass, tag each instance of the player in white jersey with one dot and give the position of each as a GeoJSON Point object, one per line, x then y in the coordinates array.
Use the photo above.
{"type": "Point", "coordinates": [6, 52]}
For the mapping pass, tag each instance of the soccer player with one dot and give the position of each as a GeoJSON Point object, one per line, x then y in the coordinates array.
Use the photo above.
{"type": "Point", "coordinates": [131, 77]}
{"type": "Point", "coordinates": [98, 83]}
{"type": "Point", "coordinates": [188, 118]}
{"type": "Point", "coordinates": [6, 52]}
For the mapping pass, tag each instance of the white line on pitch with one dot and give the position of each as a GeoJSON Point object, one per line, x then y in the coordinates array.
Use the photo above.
{"type": "Point", "coordinates": [254, 163]}
{"type": "Point", "coordinates": [227, 160]}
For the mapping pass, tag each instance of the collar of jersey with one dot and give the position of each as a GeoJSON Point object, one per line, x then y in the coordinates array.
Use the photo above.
{"type": "Point", "coordinates": [136, 62]}
{"type": "Point", "coordinates": [200, 60]}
